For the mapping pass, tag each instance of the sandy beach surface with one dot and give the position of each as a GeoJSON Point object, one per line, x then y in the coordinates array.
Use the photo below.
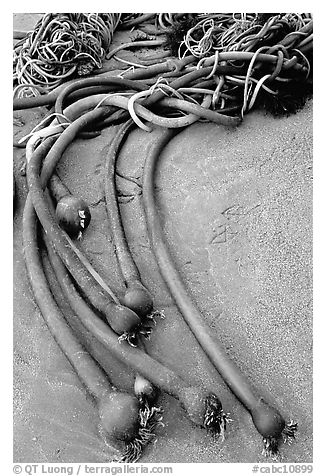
{"type": "Point", "coordinates": [236, 207]}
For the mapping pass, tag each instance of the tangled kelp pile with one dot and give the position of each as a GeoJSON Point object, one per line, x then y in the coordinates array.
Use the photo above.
{"type": "Point", "coordinates": [224, 66]}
